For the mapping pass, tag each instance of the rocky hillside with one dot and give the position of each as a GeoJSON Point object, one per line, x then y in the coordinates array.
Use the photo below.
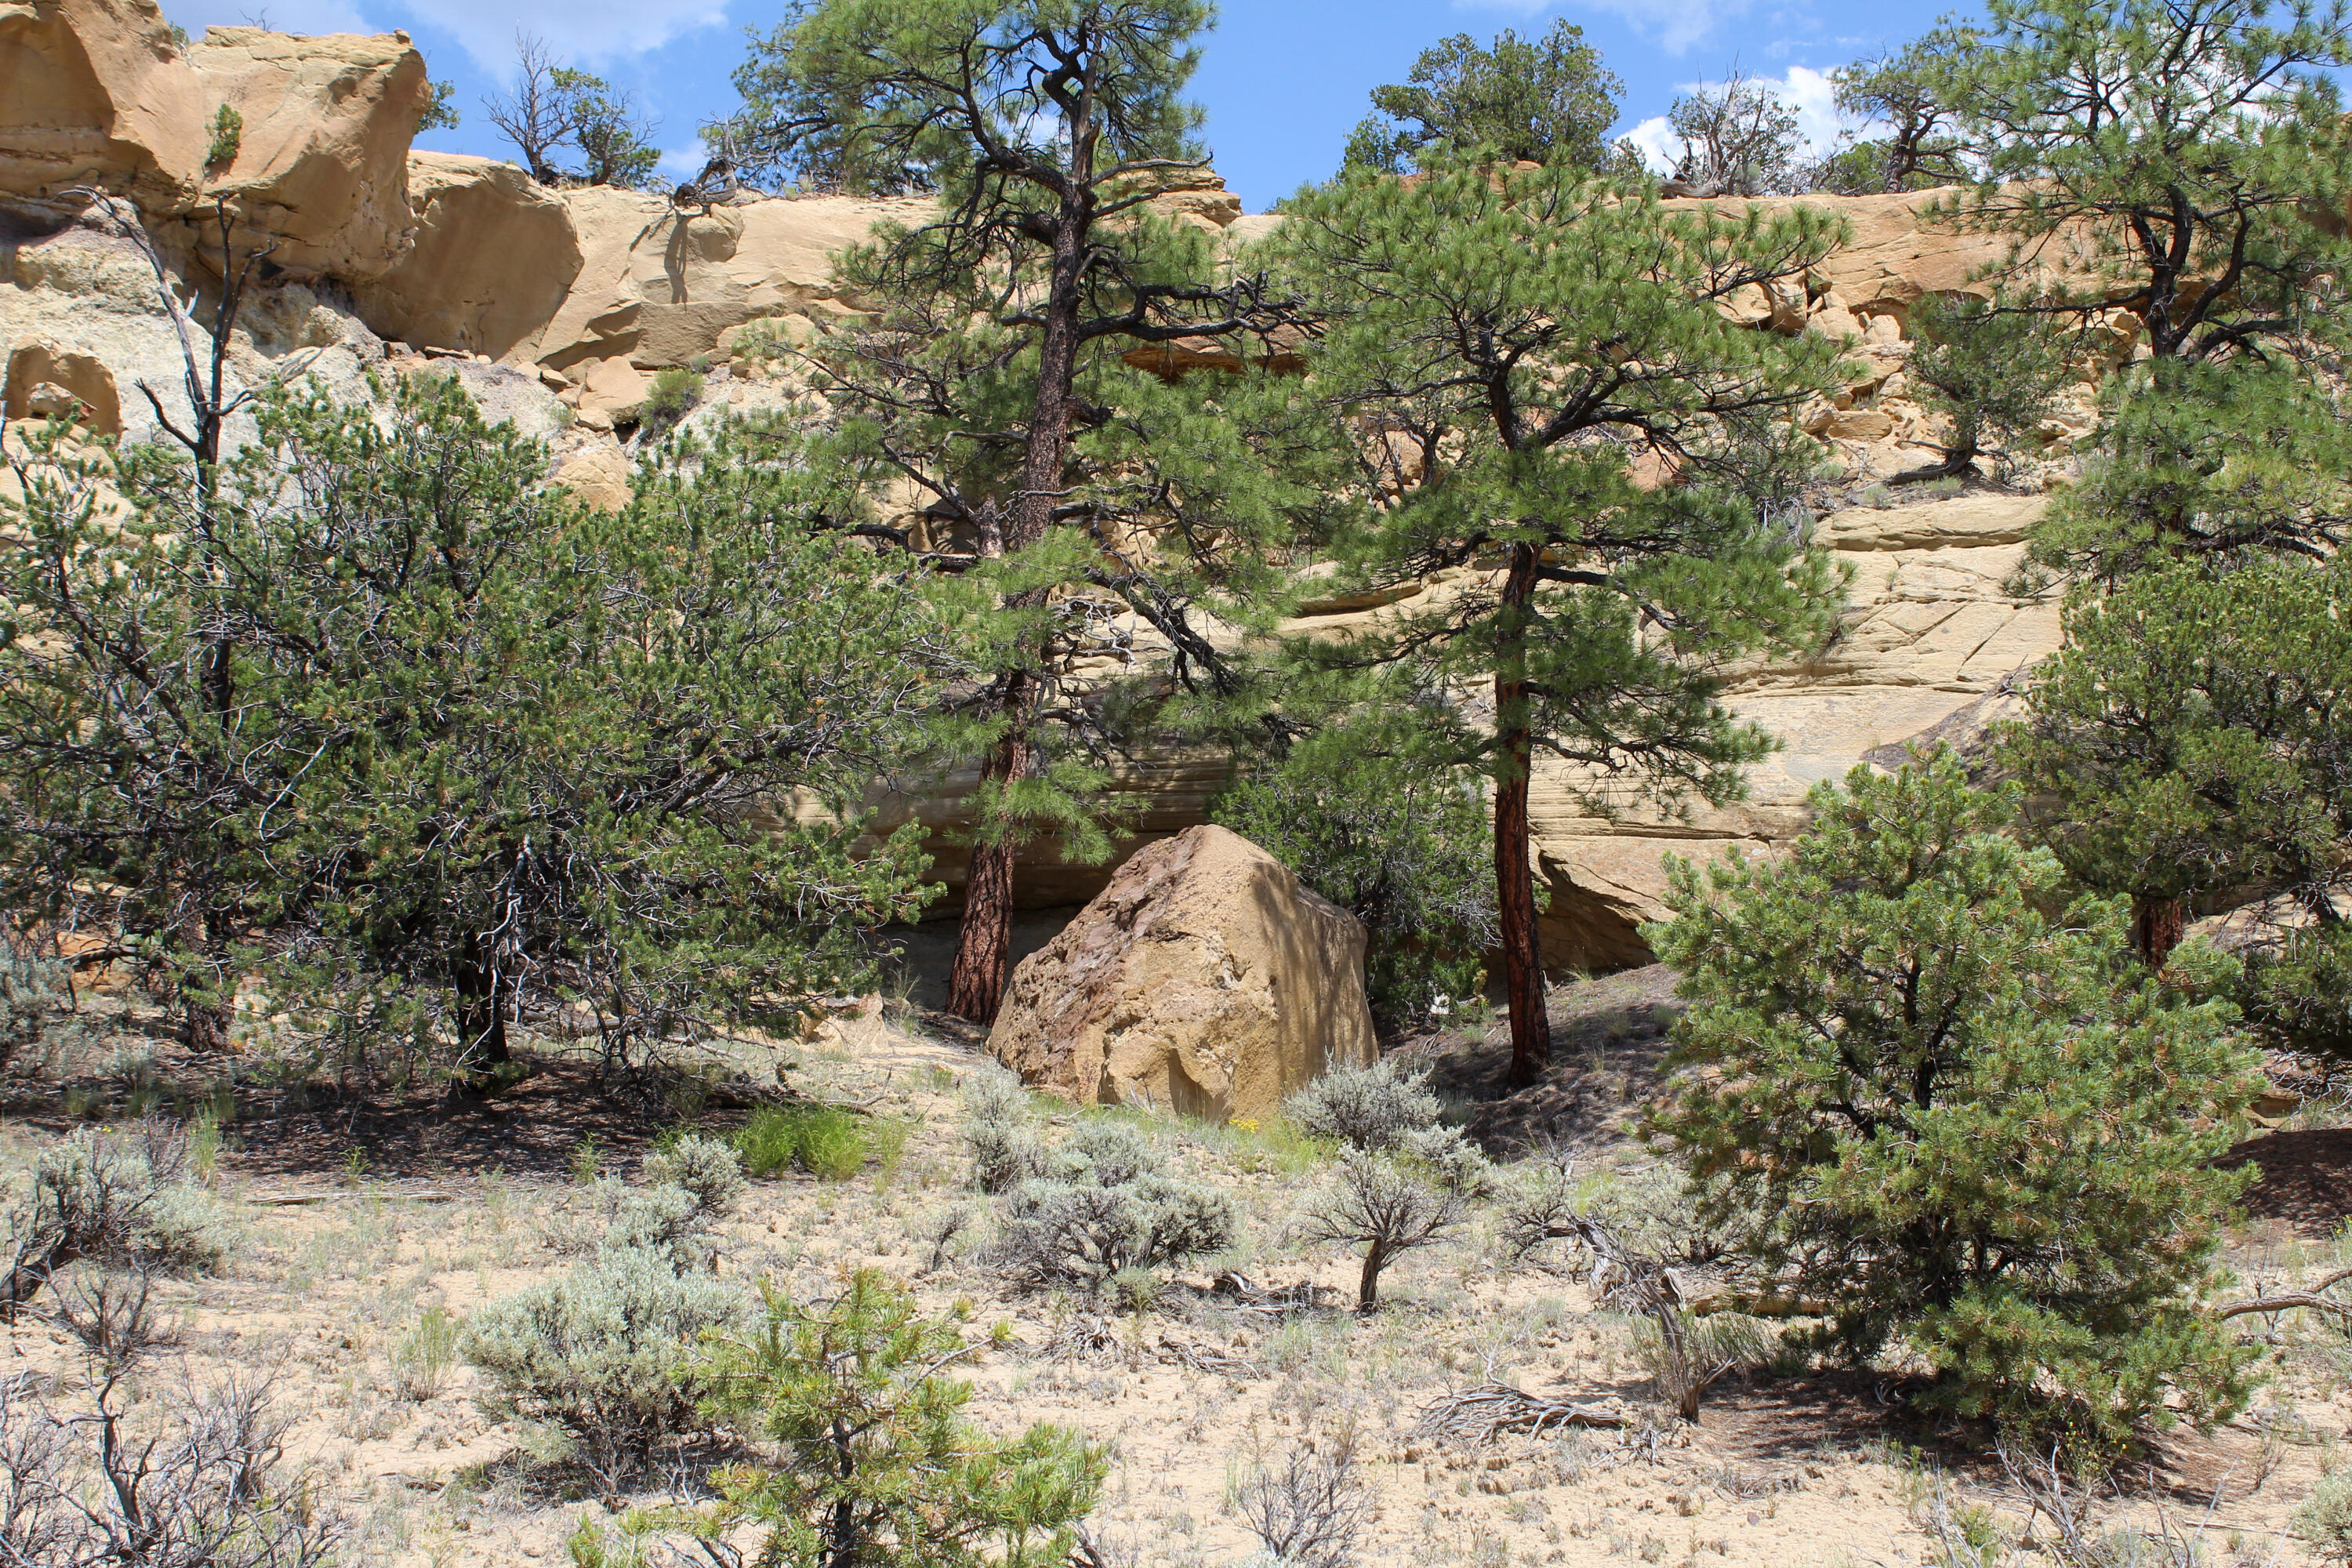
{"type": "Point", "coordinates": [557, 307]}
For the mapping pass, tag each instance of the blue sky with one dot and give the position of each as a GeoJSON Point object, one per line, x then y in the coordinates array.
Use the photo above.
{"type": "Point", "coordinates": [1283, 81]}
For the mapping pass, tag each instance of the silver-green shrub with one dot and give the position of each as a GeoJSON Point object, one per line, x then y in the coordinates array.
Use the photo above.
{"type": "Point", "coordinates": [614, 1217]}
{"type": "Point", "coordinates": [606, 1356]}
{"type": "Point", "coordinates": [709, 1168]}
{"type": "Point", "coordinates": [1385, 1110]}
{"type": "Point", "coordinates": [1373, 1108]}
{"type": "Point", "coordinates": [1106, 1154]}
{"type": "Point", "coordinates": [100, 1196]}
{"type": "Point", "coordinates": [2325, 1520]}
{"type": "Point", "coordinates": [998, 1131]}
{"type": "Point", "coordinates": [1109, 1210]}
{"type": "Point", "coordinates": [36, 1005]}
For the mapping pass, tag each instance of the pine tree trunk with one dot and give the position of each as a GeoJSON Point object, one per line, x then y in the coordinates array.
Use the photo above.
{"type": "Point", "coordinates": [204, 1027]}
{"type": "Point", "coordinates": [2157, 926]}
{"type": "Point", "coordinates": [983, 943]}
{"type": "Point", "coordinates": [1514, 890]}
{"type": "Point", "coordinates": [203, 1024]}
{"type": "Point", "coordinates": [482, 1020]}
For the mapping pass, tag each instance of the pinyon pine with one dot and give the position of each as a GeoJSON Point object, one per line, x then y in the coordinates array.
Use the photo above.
{"type": "Point", "coordinates": [1955, 1120]}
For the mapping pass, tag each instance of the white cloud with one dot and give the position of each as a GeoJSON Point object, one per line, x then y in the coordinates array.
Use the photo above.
{"type": "Point", "coordinates": [1675, 23]}
{"type": "Point", "coordinates": [685, 161]}
{"type": "Point", "coordinates": [576, 31]}
{"type": "Point", "coordinates": [1813, 96]}
{"type": "Point", "coordinates": [1659, 148]}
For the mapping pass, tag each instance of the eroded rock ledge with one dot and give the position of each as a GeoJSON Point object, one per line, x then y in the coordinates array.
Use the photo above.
{"type": "Point", "coordinates": [557, 307]}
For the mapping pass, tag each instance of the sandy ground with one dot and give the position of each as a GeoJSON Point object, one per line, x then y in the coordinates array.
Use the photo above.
{"type": "Point", "coordinates": [1814, 1470]}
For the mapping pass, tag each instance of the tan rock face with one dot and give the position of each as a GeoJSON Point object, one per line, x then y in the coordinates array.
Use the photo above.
{"type": "Point", "coordinates": [1898, 253]}
{"type": "Point", "coordinates": [657, 286]}
{"type": "Point", "coordinates": [1203, 979]}
{"type": "Point", "coordinates": [1930, 636]}
{"type": "Point", "coordinates": [494, 258]}
{"type": "Point", "coordinates": [322, 164]}
{"type": "Point", "coordinates": [95, 92]}
{"type": "Point", "coordinates": [46, 381]}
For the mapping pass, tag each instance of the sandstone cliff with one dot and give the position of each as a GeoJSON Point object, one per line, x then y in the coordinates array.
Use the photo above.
{"type": "Point", "coordinates": [544, 301]}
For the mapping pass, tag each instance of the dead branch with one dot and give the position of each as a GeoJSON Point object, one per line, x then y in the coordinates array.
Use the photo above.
{"type": "Point", "coordinates": [1480, 1415]}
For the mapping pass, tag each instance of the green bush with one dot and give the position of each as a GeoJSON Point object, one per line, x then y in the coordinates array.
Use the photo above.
{"type": "Point", "coordinates": [672, 392]}
{"type": "Point", "coordinates": [1964, 1123]}
{"type": "Point", "coordinates": [422, 1357]}
{"type": "Point", "coordinates": [608, 1357]}
{"type": "Point", "coordinates": [227, 135]}
{"type": "Point", "coordinates": [875, 1462]}
{"type": "Point", "coordinates": [2298, 991]}
{"type": "Point", "coordinates": [825, 1141]}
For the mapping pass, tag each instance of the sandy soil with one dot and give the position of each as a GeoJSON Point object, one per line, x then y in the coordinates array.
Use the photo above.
{"type": "Point", "coordinates": [455, 1209]}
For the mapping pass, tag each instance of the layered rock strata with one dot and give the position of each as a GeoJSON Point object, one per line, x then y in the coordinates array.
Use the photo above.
{"type": "Point", "coordinates": [557, 306]}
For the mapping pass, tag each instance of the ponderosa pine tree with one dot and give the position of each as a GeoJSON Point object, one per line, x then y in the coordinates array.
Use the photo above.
{"type": "Point", "coordinates": [2167, 173]}
{"type": "Point", "coordinates": [2175, 162]}
{"type": "Point", "coordinates": [2185, 145]}
{"type": "Point", "coordinates": [1957, 1119]}
{"type": "Point", "coordinates": [491, 752]}
{"type": "Point", "coordinates": [2194, 735]}
{"type": "Point", "coordinates": [1543, 392]}
{"type": "Point", "coordinates": [1540, 101]}
{"type": "Point", "coordinates": [1046, 126]}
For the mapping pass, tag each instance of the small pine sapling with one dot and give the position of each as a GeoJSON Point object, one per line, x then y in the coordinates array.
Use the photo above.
{"type": "Point", "coordinates": [881, 1466]}
{"type": "Point", "coordinates": [1993, 371]}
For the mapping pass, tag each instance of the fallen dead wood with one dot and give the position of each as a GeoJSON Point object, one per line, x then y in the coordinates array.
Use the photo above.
{"type": "Point", "coordinates": [1233, 1289]}
{"type": "Point", "coordinates": [1481, 1414]}
{"type": "Point", "coordinates": [1201, 1359]}
{"type": "Point", "coordinates": [288, 1200]}
{"type": "Point", "coordinates": [2313, 1298]}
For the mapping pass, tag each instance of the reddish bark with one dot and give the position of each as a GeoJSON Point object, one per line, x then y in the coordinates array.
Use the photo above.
{"type": "Point", "coordinates": [2157, 926]}
{"type": "Point", "coordinates": [1523, 981]}
{"type": "Point", "coordinates": [984, 944]}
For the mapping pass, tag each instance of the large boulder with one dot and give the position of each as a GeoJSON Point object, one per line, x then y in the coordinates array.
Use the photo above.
{"type": "Point", "coordinates": [495, 256]}
{"type": "Point", "coordinates": [321, 163]}
{"type": "Point", "coordinates": [1203, 979]}
{"type": "Point", "coordinates": [96, 92]}
{"type": "Point", "coordinates": [658, 286]}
